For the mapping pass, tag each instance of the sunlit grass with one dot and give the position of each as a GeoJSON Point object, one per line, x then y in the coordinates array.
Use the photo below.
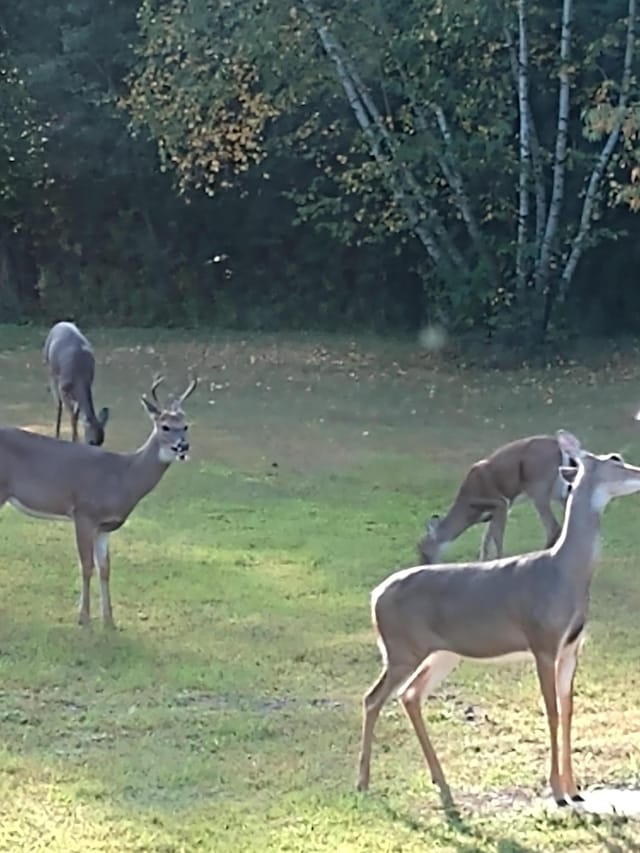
{"type": "Point", "coordinates": [224, 714]}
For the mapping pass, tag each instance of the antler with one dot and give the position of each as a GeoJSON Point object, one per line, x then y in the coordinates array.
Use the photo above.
{"type": "Point", "coordinates": [155, 384]}
{"type": "Point", "coordinates": [192, 387]}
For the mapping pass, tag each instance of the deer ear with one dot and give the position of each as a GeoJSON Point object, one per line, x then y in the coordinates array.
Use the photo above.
{"type": "Point", "coordinates": [432, 525]}
{"type": "Point", "coordinates": [150, 408]}
{"type": "Point", "coordinates": [568, 474]}
{"type": "Point", "coordinates": [569, 444]}
{"type": "Point", "coordinates": [103, 416]}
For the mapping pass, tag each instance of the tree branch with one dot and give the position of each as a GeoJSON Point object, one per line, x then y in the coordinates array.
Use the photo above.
{"type": "Point", "coordinates": [454, 178]}
{"type": "Point", "coordinates": [579, 241]}
{"type": "Point", "coordinates": [421, 216]}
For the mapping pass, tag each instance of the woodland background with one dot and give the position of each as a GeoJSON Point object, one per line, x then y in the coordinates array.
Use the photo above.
{"type": "Point", "coordinates": [305, 165]}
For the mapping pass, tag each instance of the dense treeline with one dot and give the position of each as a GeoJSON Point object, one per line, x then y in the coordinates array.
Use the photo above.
{"type": "Point", "coordinates": [315, 164]}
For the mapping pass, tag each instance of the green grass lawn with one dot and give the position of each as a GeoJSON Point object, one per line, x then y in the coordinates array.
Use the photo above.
{"type": "Point", "coordinates": [224, 713]}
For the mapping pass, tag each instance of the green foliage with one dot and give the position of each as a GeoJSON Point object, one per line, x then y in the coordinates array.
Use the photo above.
{"type": "Point", "coordinates": [191, 162]}
{"type": "Point", "coordinates": [407, 60]}
{"type": "Point", "coordinates": [199, 96]}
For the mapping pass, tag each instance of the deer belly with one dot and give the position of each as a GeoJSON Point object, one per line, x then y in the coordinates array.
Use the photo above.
{"type": "Point", "coordinates": [35, 513]}
{"type": "Point", "coordinates": [512, 657]}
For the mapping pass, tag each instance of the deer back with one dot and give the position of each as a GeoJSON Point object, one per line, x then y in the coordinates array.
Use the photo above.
{"type": "Point", "coordinates": [72, 367]}
{"type": "Point", "coordinates": [69, 356]}
{"type": "Point", "coordinates": [512, 469]}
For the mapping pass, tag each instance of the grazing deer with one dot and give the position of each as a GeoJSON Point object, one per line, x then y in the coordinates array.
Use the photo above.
{"type": "Point", "coordinates": [529, 468]}
{"type": "Point", "coordinates": [95, 489]}
{"type": "Point", "coordinates": [429, 618]}
{"type": "Point", "coordinates": [72, 366]}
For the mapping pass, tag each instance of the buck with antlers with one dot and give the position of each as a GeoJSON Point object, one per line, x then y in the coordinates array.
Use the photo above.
{"type": "Point", "coordinates": [525, 468]}
{"type": "Point", "coordinates": [72, 365]}
{"type": "Point", "coordinates": [429, 618]}
{"type": "Point", "coordinates": [95, 489]}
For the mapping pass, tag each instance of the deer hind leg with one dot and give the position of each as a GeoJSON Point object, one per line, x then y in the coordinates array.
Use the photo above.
{"type": "Point", "coordinates": [565, 673]}
{"type": "Point", "coordinates": [424, 680]}
{"type": "Point", "coordinates": [542, 503]}
{"type": "Point", "coordinates": [546, 666]}
{"type": "Point", "coordinates": [391, 677]}
{"type": "Point", "coordinates": [84, 540]}
{"type": "Point", "coordinates": [103, 567]}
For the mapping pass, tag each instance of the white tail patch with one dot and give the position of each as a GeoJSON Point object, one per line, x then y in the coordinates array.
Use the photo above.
{"type": "Point", "coordinates": [562, 488]}
{"type": "Point", "coordinates": [383, 650]}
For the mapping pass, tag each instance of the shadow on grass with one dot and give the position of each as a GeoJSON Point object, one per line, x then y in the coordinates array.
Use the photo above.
{"type": "Point", "coordinates": [455, 828]}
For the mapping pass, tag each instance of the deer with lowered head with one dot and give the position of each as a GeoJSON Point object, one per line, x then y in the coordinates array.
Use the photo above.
{"type": "Point", "coordinates": [429, 618]}
{"type": "Point", "coordinates": [526, 468]}
{"type": "Point", "coordinates": [93, 488]}
{"type": "Point", "coordinates": [71, 362]}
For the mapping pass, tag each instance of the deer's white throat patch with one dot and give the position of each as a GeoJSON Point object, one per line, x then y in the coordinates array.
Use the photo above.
{"type": "Point", "coordinates": [166, 454]}
{"type": "Point", "coordinates": [600, 498]}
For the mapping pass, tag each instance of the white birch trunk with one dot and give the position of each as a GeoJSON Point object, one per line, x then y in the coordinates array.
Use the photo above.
{"type": "Point", "coordinates": [536, 156]}
{"type": "Point", "coordinates": [559, 160]}
{"type": "Point", "coordinates": [525, 149]}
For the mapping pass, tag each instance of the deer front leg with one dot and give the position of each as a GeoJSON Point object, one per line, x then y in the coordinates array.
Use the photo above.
{"type": "Point", "coordinates": [565, 673]}
{"type": "Point", "coordinates": [546, 666]}
{"type": "Point", "coordinates": [75, 414]}
{"type": "Point", "coordinates": [59, 418]}
{"type": "Point", "coordinates": [103, 565]}
{"type": "Point", "coordinates": [84, 542]}
{"type": "Point", "coordinates": [495, 529]}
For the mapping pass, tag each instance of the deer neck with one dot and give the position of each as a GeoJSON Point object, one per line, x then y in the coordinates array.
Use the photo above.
{"type": "Point", "coordinates": [578, 546]}
{"type": "Point", "coordinates": [452, 525]}
{"type": "Point", "coordinates": [146, 469]}
{"type": "Point", "coordinates": [85, 403]}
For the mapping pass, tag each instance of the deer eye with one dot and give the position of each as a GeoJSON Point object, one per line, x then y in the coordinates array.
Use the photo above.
{"type": "Point", "coordinates": [166, 427]}
{"type": "Point", "coordinates": [615, 457]}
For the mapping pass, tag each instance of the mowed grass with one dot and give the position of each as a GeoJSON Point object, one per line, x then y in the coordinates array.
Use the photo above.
{"type": "Point", "coordinates": [224, 713]}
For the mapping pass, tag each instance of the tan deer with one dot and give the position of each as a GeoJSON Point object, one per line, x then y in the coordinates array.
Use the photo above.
{"type": "Point", "coordinates": [95, 489]}
{"type": "Point", "coordinates": [71, 363]}
{"type": "Point", "coordinates": [429, 618]}
{"type": "Point", "coordinates": [526, 468]}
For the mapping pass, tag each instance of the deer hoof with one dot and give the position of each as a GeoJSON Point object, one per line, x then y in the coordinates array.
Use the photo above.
{"type": "Point", "coordinates": [560, 801]}
{"type": "Point", "coordinates": [577, 798]}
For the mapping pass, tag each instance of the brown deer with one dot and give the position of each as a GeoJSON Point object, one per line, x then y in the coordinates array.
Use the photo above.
{"type": "Point", "coordinates": [526, 468]}
{"type": "Point", "coordinates": [95, 489]}
{"type": "Point", "coordinates": [430, 617]}
{"type": "Point", "coordinates": [71, 363]}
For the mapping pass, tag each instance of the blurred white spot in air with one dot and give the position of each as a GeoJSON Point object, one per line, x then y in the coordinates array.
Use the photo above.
{"type": "Point", "coordinates": [433, 338]}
